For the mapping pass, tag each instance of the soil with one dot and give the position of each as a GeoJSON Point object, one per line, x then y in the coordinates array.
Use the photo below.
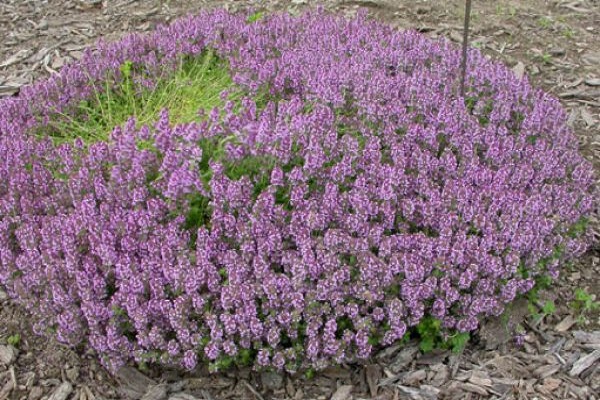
{"type": "Point", "coordinates": [554, 42]}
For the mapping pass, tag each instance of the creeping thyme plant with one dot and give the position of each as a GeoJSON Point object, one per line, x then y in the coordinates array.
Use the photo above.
{"type": "Point", "coordinates": [327, 193]}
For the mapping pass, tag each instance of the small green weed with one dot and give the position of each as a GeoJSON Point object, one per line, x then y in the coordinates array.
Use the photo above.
{"type": "Point", "coordinates": [548, 308]}
{"type": "Point", "coordinates": [506, 10]}
{"type": "Point", "coordinates": [544, 310]}
{"type": "Point", "coordinates": [545, 22]}
{"type": "Point", "coordinates": [222, 364]}
{"type": "Point", "coordinates": [255, 17]}
{"type": "Point", "coordinates": [583, 303]}
{"type": "Point", "coordinates": [309, 373]}
{"type": "Point", "coordinates": [458, 341]}
{"type": "Point", "coordinates": [14, 340]}
{"type": "Point", "coordinates": [431, 338]}
{"type": "Point", "coordinates": [568, 32]}
{"type": "Point", "coordinates": [578, 228]}
{"type": "Point", "coordinates": [428, 330]}
{"type": "Point", "coordinates": [546, 58]}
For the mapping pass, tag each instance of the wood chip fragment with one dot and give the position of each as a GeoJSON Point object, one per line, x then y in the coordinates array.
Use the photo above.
{"type": "Point", "coordinates": [403, 358]}
{"type": "Point", "coordinates": [7, 354]}
{"type": "Point", "coordinates": [519, 70]}
{"type": "Point", "coordinates": [37, 392]}
{"type": "Point", "coordinates": [10, 89]}
{"type": "Point", "coordinates": [575, 93]}
{"type": "Point", "coordinates": [271, 380]}
{"type": "Point", "coordinates": [480, 378]}
{"type": "Point", "coordinates": [90, 396]}
{"type": "Point", "coordinates": [17, 57]}
{"type": "Point", "coordinates": [441, 376]}
{"type": "Point", "coordinates": [13, 377]}
{"type": "Point", "coordinates": [573, 84]}
{"type": "Point", "coordinates": [372, 374]}
{"type": "Point", "coordinates": [6, 389]}
{"type": "Point", "coordinates": [388, 352]}
{"type": "Point", "coordinates": [253, 390]}
{"type": "Point", "coordinates": [469, 387]}
{"type": "Point", "coordinates": [206, 394]}
{"type": "Point", "coordinates": [336, 372]}
{"type": "Point", "coordinates": [134, 384]}
{"type": "Point", "coordinates": [342, 393]}
{"type": "Point", "coordinates": [425, 392]}
{"type": "Point", "coordinates": [62, 392]}
{"type": "Point", "coordinates": [414, 377]}
{"type": "Point", "coordinates": [587, 337]}
{"type": "Point", "coordinates": [565, 324]}
{"type": "Point", "coordinates": [582, 392]}
{"type": "Point", "coordinates": [182, 396]}
{"type": "Point", "coordinates": [433, 357]}
{"type": "Point", "coordinates": [156, 392]}
{"type": "Point", "coordinates": [587, 117]}
{"type": "Point", "coordinates": [546, 370]}
{"type": "Point", "coordinates": [575, 6]}
{"type": "Point", "coordinates": [549, 385]}
{"type": "Point", "coordinates": [593, 82]}
{"type": "Point", "coordinates": [584, 363]}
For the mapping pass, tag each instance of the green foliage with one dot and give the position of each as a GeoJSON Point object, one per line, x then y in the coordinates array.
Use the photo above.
{"type": "Point", "coordinates": [148, 358]}
{"type": "Point", "coordinates": [16, 274]}
{"type": "Point", "coordinates": [568, 32]}
{"type": "Point", "coordinates": [429, 333]}
{"type": "Point", "coordinates": [221, 364]}
{"type": "Point", "coordinates": [578, 228]}
{"type": "Point", "coordinates": [539, 310]}
{"type": "Point", "coordinates": [458, 341]}
{"type": "Point", "coordinates": [532, 139]}
{"type": "Point", "coordinates": [546, 58]}
{"type": "Point", "coordinates": [223, 273]}
{"type": "Point", "coordinates": [583, 303]}
{"type": "Point", "coordinates": [548, 308]}
{"type": "Point", "coordinates": [255, 17]}
{"type": "Point", "coordinates": [431, 337]}
{"type": "Point", "coordinates": [256, 168]}
{"type": "Point", "coordinates": [195, 84]}
{"type": "Point", "coordinates": [309, 373]}
{"type": "Point", "coordinates": [343, 323]}
{"type": "Point", "coordinates": [245, 357]}
{"type": "Point", "coordinates": [122, 320]}
{"type": "Point", "coordinates": [14, 340]}
{"type": "Point", "coordinates": [509, 11]}
{"type": "Point", "coordinates": [198, 215]}
{"type": "Point", "coordinates": [471, 102]}
{"type": "Point", "coordinates": [542, 279]}
{"type": "Point", "coordinates": [545, 22]}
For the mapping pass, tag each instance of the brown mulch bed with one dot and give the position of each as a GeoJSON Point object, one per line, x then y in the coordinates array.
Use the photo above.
{"type": "Point", "coordinates": [554, 42]}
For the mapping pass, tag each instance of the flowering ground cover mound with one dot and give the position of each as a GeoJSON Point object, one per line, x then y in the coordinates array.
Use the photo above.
{"type": "Point", "coordinates": [332, 194]}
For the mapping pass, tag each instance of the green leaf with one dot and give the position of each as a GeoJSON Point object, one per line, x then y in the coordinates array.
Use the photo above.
{"type": "Point", "coordinates": [427, 344]}
{"type": "Point", "coordinates": [309, 373]}
{"type": "Point", "coordinates": [126, 68]}
{"type": "Point", "coordinates": [458, 341]}
{"type": "Point", "coordinates": [549, 307]}
{"type": "Point", "coordinates": [14, 340]}
{"type": "Point", "coordinates": [255, 17]}
{"type": "Point", "coordinates": [245, 357]}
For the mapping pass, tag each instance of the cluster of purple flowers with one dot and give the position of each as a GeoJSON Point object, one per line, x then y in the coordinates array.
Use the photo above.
{"type": "Point", "coordinates": [378, 196]}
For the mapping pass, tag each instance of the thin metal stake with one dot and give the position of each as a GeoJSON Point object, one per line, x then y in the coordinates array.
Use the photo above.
{"type": "Point", "coordinates": [464, 47]}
